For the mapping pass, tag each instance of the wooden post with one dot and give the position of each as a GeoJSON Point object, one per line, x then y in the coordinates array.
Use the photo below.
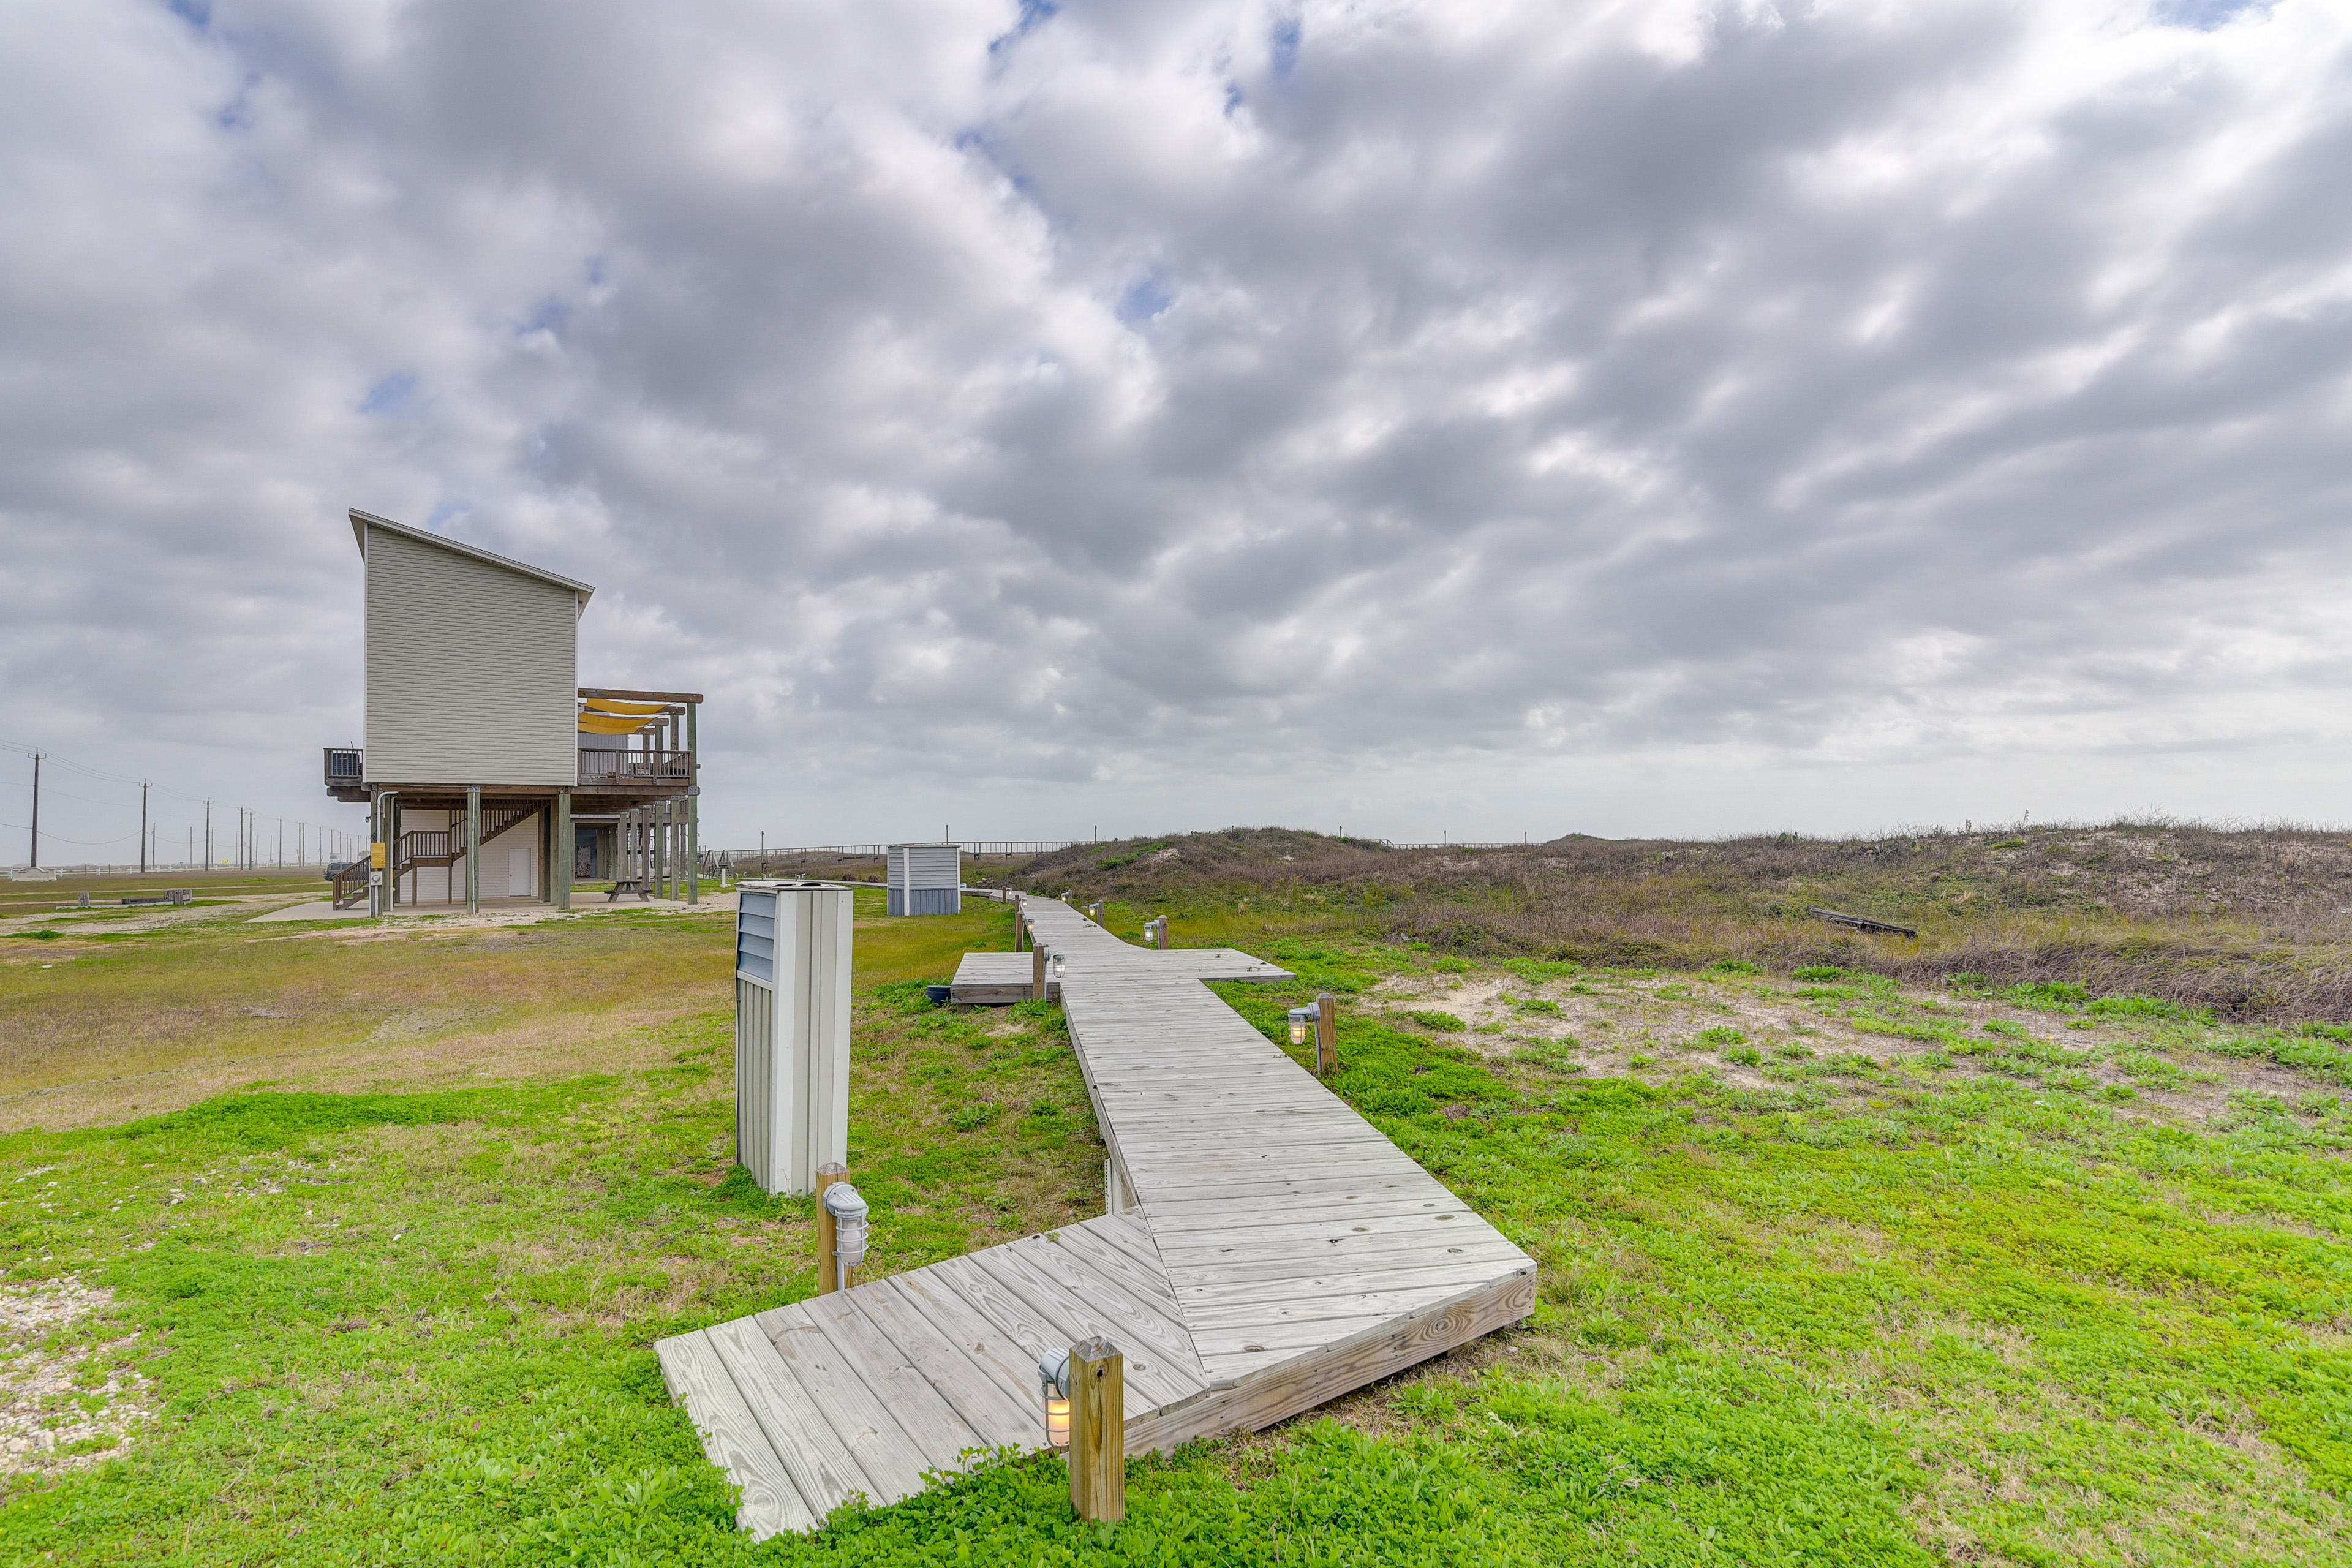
{"type": "Point", "coordinates": [560, 868]}
{"type": "Point", "coordinates": [693, 808]}
{"type": "Point", "coordinates": [473, 848]}
{"type": "Point", "coordinates": [828, 1266]}
{"type": "Point", "coordinates": [1037, 973]}
{"type": "Point", "coordinates": [1327, 1034]}
{"type": "Point", "coordinates": [1098, 1430]}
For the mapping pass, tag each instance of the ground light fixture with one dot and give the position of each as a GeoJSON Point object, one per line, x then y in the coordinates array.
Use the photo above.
{"type": "Point", "coordinates": [1056, 969]}
{"type": "Point", "coordinates": [848, 1210]}
{"type": "Point", "coordinates": [1054, 1380]}
{"type": "Point", "coordinates": [1302, 1023]}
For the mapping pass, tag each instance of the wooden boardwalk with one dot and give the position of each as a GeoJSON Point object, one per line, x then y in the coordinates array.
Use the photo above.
{"type": "Point", "coordinates": [1268, 1250]}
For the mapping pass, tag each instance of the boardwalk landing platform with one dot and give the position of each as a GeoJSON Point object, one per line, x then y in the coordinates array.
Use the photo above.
{"type": "Point", "coordinates": [1269, 1251]}
{"type": "Point", "coordinates": [999, 979]}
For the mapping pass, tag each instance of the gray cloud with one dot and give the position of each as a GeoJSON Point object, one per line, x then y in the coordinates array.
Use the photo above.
{"type": "Point", "coordinates": [1167, 414]}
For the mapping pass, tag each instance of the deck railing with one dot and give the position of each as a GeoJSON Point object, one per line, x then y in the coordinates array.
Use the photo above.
{"type": "Point", "coordinates": [608, 767]}
{"type": "Point", "coordinates": [344, 766]}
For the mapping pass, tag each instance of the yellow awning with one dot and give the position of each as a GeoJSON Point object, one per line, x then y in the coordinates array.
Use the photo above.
{"type": "Point", "coordinates": [613, 705]}
{"type": "Point", "coordinates": [605, 725]}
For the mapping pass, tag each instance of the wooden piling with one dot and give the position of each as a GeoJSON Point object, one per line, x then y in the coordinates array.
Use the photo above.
{"type": "Point", "coordinates": [1037, 973]}
{"type": "Point", "coordinates": [828, 1266]}
{"type": "Point", "coordinates": [1327, 1034]}
{"type": "Point", "coordinates": [1098, 1430]}
{"type": "Point", "coordinates": [560, 872]}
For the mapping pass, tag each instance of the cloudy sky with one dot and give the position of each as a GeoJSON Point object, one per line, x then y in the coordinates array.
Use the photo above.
{"type": "Point", "coordinates": [1472, 420]}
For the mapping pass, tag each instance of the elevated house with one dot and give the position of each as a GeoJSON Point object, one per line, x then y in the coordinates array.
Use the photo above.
{"type": "Point", "coordinates": [490, 775]}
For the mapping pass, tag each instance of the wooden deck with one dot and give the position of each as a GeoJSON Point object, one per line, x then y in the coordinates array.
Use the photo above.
{"type": "Point", "coordinates": [1270, 1251]}
{"type": "Point", "coordinates": [999, 979]}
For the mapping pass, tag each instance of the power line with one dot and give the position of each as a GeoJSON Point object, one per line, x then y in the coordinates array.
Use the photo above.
{"type": "Point", "coordinates": [61, 839]}
{"type": "Point", "coordinates": [247, 848]}
{"type": "Point", "coordinates": [47, 756]}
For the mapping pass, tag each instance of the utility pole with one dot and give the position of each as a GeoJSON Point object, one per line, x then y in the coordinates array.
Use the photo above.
{"type": "Point", "coordinates": [282, 841]}
{"type": "Point", "coordinates": [142, 827]}
{"type": "Point", "coordinates": [34, 859]}
{"type": "Point", "coordinates": [208, 836]}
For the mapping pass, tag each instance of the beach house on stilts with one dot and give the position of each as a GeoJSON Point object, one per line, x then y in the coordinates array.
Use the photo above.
{"type": "Point", "coordinates": [490, 775]}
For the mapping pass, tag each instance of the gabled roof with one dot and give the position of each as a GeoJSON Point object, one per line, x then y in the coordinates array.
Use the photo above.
{"type": "Point", "coordinates": [363, 521]}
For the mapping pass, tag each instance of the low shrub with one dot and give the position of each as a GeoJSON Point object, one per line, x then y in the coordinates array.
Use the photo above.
{"type": "Point", "coordinates": [2049, 993]}
{"type": "Point", "coordinates": [2146, 1007]}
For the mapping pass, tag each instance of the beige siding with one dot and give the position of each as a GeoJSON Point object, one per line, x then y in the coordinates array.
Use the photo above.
{"type": "Point", "coordinates": [471, 670]}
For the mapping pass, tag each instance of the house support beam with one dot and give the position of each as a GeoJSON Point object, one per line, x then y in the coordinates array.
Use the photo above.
{"type": "Point", "coordinates": [693, 809]}
{"type": "Point", "coordinates": [473, 849]}
{"type": "Point", "coordinates": [560, 863]}
{"type": "Point", "coordinates": [380, 856]}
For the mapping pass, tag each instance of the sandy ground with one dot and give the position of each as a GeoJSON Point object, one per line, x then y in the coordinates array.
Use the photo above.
{"type": "Point", "coordinates": [146, 917]}
{"type": "Point", "coordinates": [453, 917]}
{"type": "Point", "coordinates": [1651, 1028]}
{"type": "Point", "coordinates": [55, 1415]}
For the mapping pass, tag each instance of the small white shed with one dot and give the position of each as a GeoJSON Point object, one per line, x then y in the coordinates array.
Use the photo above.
{"type": "Point", "coordinates": [925, 879]}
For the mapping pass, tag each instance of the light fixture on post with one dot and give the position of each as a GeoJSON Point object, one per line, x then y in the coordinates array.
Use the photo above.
{"type": "Point", "coordinates": [1054, 1380]}
{"type": "Point", "coordinates": [848, 1210]}
{"type": "Point", "coordinates": [1302, 1023]}
{"type": "Point", "coordinates": [1054, 970]}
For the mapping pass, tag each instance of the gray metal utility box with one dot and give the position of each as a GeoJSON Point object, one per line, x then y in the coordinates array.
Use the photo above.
{"type": "Point", "coordinates": [925, 879]}
{"type": "Point", "coordinates": [792, 1030]}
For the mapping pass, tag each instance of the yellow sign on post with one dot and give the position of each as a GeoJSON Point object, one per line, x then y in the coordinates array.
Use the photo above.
{"type": "Point", "coordinates": [376, 857]}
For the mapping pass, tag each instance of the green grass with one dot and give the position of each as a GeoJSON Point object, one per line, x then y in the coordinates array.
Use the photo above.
{"type": "Point", "coordinates": [1866, 1313]}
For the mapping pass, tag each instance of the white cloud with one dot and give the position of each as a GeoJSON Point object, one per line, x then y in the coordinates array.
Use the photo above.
{"type": "Point", "coordinates": [1169, 415]}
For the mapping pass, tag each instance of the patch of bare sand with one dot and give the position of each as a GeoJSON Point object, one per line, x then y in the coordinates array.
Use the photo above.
{"type": "Point", "coordinates": [550, 1046]}
{"type": "Point", "coordinates": [58, 1412]}
{"type": "Point", "coordinates": [1651, 1028]}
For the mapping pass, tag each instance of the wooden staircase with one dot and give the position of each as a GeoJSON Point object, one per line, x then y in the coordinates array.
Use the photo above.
{"type": "Point", "coordinates": [428, 847]}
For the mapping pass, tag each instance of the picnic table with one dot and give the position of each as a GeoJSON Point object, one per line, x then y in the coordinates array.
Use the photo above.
{"type": "Point", "coordinates": [640, 886]}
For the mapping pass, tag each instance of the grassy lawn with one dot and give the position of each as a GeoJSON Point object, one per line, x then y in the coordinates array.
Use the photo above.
{"type": "Point", "coordinates": [326, 1244]}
